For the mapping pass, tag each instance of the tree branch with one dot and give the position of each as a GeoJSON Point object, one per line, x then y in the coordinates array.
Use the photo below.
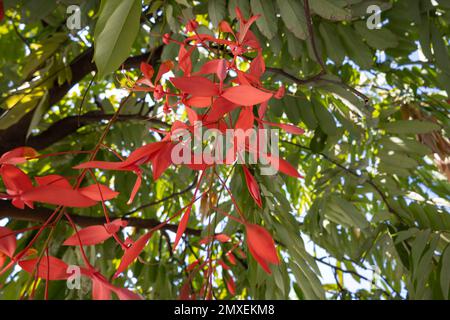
{"type": "Point", "coordinates": [81, 66]}
{"type": "Point", "coordinates": [64, 127]}
{"type": "Point", "coordinates": [7, 210]}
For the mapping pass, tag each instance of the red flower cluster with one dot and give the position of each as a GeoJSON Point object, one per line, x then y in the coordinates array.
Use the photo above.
{"type": "Point", "coordinates": [208, 96]}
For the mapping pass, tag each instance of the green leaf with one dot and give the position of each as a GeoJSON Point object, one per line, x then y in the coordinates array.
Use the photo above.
{"type": "Point", "coordinates": [445, 274]}
{"type": "Point", "coordinates": [267, 23]}
{"type": "Point", "coordinates": [291, 109]}
{"type": "Point", "coordinates": [324, 117]}
{"type": "Point", "coordinates": [377, 38]}
{"type": "Point", "coordinates": [14, 114]}
{"type": "Point", "coordinates": [328, 10]}
{"type": "Point", "coordinates": [217, 11]}
{"type": "Point", "coordinates": [38, 113]}
{"type": "Point", "coordinates": [116, 30]}
{"type": "Point", "coordinates": [333, 45]}
{"type": "Point", "coordinates": [409, 126]}
{"type": "Point", "coordinates": [293, 16]}
{"type": "Point", "coordinates": [440, 50]}
{"type": "Point", "coordinates": [357, 50]}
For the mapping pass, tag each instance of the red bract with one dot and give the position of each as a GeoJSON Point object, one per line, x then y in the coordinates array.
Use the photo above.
{"type": "Point", "coordinates": [48, 268]}
{"type": "Point", "coordinates": [138, 157]}
{"type": "Point", "coordinates": [132, 252]}
{"type": "Point", "coordinates": [196, 86]}
{"type": "Point", "coordinates": [102, 289]}
{"type": "Point", "coordinates": [95, 234]}
{"type": "Point", "coordinates": [18, 155]}
{"type": "Point", "coordinates": [230, 285]}
{"type": "Point", "coordinates": [219, 237]}
{"type": "Point", "coordinates": [252, 186]}
{"type": "Point", "coordinates": [261, 246]}
{"type": "Point", "coordinates": [8, 242]}
{"type": "Point", "coordinates": [17, 183]}
{"type": "Point", "coordinates": [246, 95]}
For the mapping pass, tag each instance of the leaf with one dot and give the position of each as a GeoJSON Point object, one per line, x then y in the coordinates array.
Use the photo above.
{"type": "Point", "coordinates": [440, 49]}
{"type": "Point", "coordinates": [380, 39]}
{"type": "Point", "coordinates": [267, 23]}
{"type": "Point", "coordinates": [293, 16]}
{"type": "Point", "coordinates": [132, 253]}
{"type": "Point", "coordinates": [334, 47]}
{"type": "Point", "coordinates": [217, 11]}
{"type": "Point", "coordinates": [38, 113]}
{"type": "Point", "coordinates": [195, 85]}
{"type": "Point", "coordinates": [357, 50]}
{"type": "Point", "coordinates": [409, 126]}
{"type": "Point", "coordinates": [115, 32]}
{"type": "Point", "coordinates": [324, 117]}
{"type": "Point", "coordinates": [445, 274]}
{"type": "Point", "coordinates": [245, 95]}
{"type": "Point", "coordinates": [49, 268]}
{"type": "Point", "coordinates": [328, 10]}
{"type": "Point", "coordinates": [18, 111]}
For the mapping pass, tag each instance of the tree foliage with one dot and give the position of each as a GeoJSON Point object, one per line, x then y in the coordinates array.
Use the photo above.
{"type": "Point", "coordinates": [372, 208]}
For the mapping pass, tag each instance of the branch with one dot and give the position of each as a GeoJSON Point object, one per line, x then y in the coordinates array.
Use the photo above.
{"type": "Point", "coordinates": [81, 66]}
{"type": "Point", "coordinates": [7, 210]}
{"type": "Point", "coordinates": [71, 124]}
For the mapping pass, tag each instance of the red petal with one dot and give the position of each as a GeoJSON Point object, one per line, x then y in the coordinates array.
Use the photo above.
{"type": "Point", "coordinates": [225, 27]}
{"type": "Point", "coordinates": [53, 179]}
{"type": "Point", "coordinates": [257, 67]}
{"type": "Point", "coordinates": [245, 120]}
{"type": "Point", "coordinates": [221, 106]}
{"type": "Point", "coordinates": [58, 196]}
{"type": "Point", "coordinates": [182, 226]}
{"type": "Point", "coordinates": [15, 179]}
{"type": "Point", "coordinates": [286, 127]}
{"type": "Point", "coordinates": [18, 155]}
{"type": "Point", "coordinates": [199, 102]}
{"type": "Point", "coordinates": [284, 166]}
{"type": "Point", "coordinates": [162, 161]}
{"type": "Point", "coordinates": [147, 70]}
{"type": "Point", "coordinates": [132, 253]}
{"type": "Point", "coordinates": [231, 285]}
{"type": "Point", "coordinates": [98, 192]}
{"type": "Point", "coordinates": [89, 236]}
{"type": "Point", "coordinates": [101, 165]}
{"type": "Point", "coordinates": [100, 290]}
{"type": "Point", "coordinates": [197, 86]}
{"type": "Point", "coordinates": [246, 95]}
{"type": "Point", "coordinates": [252, 186]}
{"type": "Point", "coordinates": [184, 60]}
{"type": "Point", "coordinates": [56, 269]}
{"type": "Point", "coordinates": [231, 257]}
{"type": "Point", "coordinates": [8, 241]}
{"type": "Point", "coordinates": [143, 154]}
{"type": "Point", "coordinates": [261, 245]}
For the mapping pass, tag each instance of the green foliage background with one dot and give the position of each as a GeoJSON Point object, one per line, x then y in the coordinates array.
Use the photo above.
{"type": "Point", "coordinates": [374, 199]}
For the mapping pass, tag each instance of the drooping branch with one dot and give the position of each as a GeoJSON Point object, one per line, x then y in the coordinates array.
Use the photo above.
{"type": "Point", "coordinates": [39, 214]}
